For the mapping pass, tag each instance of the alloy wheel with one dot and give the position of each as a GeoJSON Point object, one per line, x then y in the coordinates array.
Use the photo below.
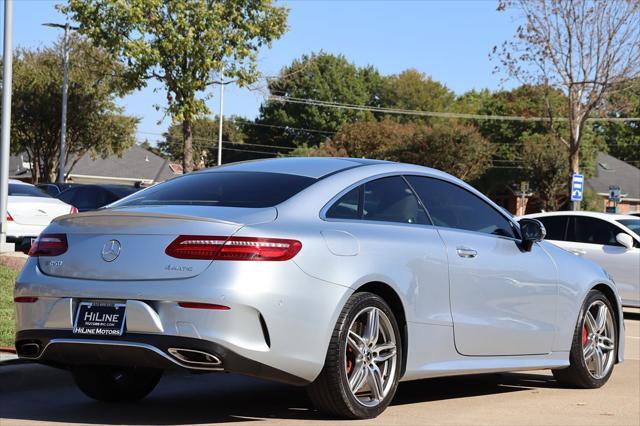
{"type": "Point", "coordinates": [371, 356]}
{"type": "Point", "coordinates": [598, 339]}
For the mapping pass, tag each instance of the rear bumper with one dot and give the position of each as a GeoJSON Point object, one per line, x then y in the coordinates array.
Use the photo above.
{"type": "Point", "coordinates": [278, 316]}
{"type": "Point", "coordinates": [62, 348]}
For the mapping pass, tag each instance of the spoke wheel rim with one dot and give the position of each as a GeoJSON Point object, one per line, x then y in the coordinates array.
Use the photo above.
{"type": "Point", "coordinates": [598, 340]}
{"type": "Point", "coordinates": [370, 356]}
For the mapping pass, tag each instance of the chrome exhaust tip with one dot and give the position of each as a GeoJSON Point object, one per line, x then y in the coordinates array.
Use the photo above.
{"type": "Point", "coordinates": [195, 358]}
{"type": "Point", "coordinates": [29, 350]}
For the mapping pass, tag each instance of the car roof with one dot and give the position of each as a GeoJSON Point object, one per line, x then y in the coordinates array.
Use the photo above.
{"type": "Point", "coordinates": [599, 215]}
{"type": "Point", "coordinates": [18, 182]}
{"type": "Point", "coordinates": [313, 167]}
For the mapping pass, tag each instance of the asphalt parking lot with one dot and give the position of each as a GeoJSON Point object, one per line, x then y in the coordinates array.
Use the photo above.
{"type": "Point", "coordinates": [34, 394]}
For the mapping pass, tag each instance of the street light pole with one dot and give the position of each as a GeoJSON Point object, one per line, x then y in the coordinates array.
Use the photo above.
{"type": "Point", "coordinates": [65, 85]}
{"type": "Point", "coordinates": [7, 78]}
{"type": "Point", "coordinates": [220, 117]}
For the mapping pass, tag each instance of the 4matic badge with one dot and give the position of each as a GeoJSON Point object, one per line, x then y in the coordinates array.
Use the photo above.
{"type": "Point", "coordinates": [178, 268]}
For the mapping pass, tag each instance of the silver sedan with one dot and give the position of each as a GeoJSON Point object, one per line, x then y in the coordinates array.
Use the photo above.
{"type": "Point", "coordinates": [343, 275]}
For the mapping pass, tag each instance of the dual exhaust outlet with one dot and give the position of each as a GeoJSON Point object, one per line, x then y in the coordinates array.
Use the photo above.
{"type": "Point", "coordinates": [188, 357]}
{"type": "Point", "coordinates": [195, 358]}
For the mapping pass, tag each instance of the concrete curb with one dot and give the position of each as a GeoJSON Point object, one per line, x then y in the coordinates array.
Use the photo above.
{"type": "Point", "coordinates": [10, 358]}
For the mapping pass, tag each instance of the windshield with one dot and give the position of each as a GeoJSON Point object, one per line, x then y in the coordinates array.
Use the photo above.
{"type": "Point", "coordinates": [24, 190]}
{"type": "Point", "coordinates": [225, 189]}
{"type": "Point", "coordinates": [633, 224]}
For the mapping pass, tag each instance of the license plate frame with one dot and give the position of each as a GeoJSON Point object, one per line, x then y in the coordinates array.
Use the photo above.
{"type": "Point", "coordinates": [98, 318]}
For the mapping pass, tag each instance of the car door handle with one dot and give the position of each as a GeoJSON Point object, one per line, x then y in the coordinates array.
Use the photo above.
{"type": "Point", "coordinates": [578, 252]}
{"type": "Point", "coordinates": [466, 252]}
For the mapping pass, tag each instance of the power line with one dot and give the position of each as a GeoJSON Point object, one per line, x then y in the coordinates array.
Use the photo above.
{"type": "Point", "coordinates": [398, 111]}
{"type": "Point", "coordinates": [214, 142]}
{"type": "Point", "coordinates": [246, 123]}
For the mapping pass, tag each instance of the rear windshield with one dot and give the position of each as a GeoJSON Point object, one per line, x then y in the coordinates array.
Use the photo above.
{"type": "Point", "coordinates": [226, 189]}
{"type": "Point", "coordinates": [633, 224]}
{"type": "Point", "coordinates": [24, 190]}
{"type": "Point", "coordinates": [123, 191]}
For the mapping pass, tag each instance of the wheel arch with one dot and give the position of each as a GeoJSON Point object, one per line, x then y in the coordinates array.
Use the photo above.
{"type": "Point", "coordinates": [392, 298]}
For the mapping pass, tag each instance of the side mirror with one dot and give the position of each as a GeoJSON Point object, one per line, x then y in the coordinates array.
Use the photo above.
{"type": "Point", "coordinates": [625, 240]}
{"type": "Point", "coordinates": [532, 231]}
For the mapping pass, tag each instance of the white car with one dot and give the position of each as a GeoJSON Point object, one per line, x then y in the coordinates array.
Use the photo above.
{"type": "Point", "coordinates": [29, 211]}
{"type": "Point", "coordinates": [611, 240]}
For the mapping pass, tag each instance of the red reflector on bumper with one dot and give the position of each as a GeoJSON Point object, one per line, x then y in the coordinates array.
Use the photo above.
{"type": "Point", "coordinates": [25, 299]}
{"type": "Point", "coordinates": [195, 305]}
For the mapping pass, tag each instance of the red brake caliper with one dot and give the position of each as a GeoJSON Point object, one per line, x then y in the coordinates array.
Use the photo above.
{"type": "Point", "coordinates": [349, 360]}
{"type": "Point", "coordinates": [584, 335]}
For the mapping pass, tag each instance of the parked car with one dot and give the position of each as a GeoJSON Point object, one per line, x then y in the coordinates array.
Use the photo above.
{"type": "Point", "coordinates": [54, 188]}
{"type": "Point", "coordinates": [92, 197]}
{"type": "Point", "coordinates": [611, 240]}
{"type": "Point", "coordinates": [342, 275]}
{"type": "Point", "coordinates": [29, 211]}
{"type": "Point", "coordinates": [637, 214]}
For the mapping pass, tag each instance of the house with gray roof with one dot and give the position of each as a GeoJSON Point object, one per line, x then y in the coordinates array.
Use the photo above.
{"type": "Point", "coordinates": [135, 166]}
{"type": "Point", "coordinates": [611, 172]}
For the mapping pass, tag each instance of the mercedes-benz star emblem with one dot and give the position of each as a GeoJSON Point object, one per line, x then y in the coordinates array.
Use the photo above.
{"type": "Point", "coordinates": [111, 250]}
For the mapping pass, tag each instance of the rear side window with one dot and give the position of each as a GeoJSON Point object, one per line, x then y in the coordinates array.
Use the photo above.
{"type": "Point", "coordinates": [556, 227]}
{"type": "Point", "coordinates": [385, 200]}
{"type": "Point", "coordinates": [347, 207]}
{"type": "Point", "coordinates": [225, 189]}
{"type": "Point", "coordinates": [451, 206]}
{"type": "Point", "coordinates": [391, 200]}
{"type": "Point", "coordinates": [590, 230]}
{"type": "Point", "coordinates": [24, 190]}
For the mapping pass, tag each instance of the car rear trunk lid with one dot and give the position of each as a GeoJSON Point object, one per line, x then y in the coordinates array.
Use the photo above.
{"type": "Point", "coordinates": [129, 243]}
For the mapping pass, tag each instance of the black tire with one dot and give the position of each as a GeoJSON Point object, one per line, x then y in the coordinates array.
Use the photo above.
{"type": "Point", "coordinates": [577, 375]}
{"type": "Point", "coordinates": [330, 392]}
{"type": "Point", "coordinates": [116, 384]}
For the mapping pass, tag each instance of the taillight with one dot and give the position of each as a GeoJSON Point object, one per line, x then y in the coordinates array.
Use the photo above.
{"type": "Point", "coordinates": [73, 210]}
{"type": "Point", "coordinates": [233, 248]}
{"type": "Point", "coordinates": [197, 305]}
{"type": "Point", "coordinates": [9, 218]}
{"type": "Point", "coordinates": [49, 245]}
{"type": "Point", "coordinates": [25, 299]}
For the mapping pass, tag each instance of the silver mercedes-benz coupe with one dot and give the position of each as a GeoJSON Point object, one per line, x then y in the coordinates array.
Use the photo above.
{"type": "Point", "coordinates": [343, 275]}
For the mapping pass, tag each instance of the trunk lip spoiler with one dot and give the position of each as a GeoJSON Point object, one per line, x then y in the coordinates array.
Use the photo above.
{"type": "Point", "coordinates": [155, 215]}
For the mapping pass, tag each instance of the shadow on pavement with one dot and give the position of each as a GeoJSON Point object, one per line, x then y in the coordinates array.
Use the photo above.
{"type": "Point", "coordinates": [37, 393]}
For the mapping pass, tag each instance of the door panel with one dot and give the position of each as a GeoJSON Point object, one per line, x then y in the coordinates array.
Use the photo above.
{"type": "Point", "coordinates": [503, 300]}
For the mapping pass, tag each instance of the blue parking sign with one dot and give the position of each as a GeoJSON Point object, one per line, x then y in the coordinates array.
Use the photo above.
{"type": "Point", "coordinates": [577, 186]}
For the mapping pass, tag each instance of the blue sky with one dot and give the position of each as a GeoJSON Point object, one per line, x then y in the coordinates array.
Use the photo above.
{"type": "Point", "coordinates": [447, 39]}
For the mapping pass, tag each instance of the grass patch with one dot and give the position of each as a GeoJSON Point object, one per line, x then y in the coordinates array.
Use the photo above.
{"type": "Point", "coordinates": [7, 311]}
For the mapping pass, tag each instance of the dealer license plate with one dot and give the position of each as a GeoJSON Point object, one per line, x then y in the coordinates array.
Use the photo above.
{"type": "Point", "coordinates": [100, 319]}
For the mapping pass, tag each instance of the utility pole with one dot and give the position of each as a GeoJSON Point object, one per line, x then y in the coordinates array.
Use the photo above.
{"type": "Point", "coordinates": [65, 83]}
{"type": "Point", "coordinates": [7, 78]}
{"type": "Point", "coordinates": [220, 117]}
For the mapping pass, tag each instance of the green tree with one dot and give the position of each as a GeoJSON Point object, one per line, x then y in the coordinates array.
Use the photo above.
{"type": "Point", "coordinates": [453, 147]}
{"type": "Point", "coordinates": [184, 45]}
{"type": "Point", "coordinates": [623, 139]}
{"type": "Point", "coordinates": [413, 90]}
{"type": "Point", "coordinates": [95, 124]}
{"type": "Point", "coordinates": [582, 47]}
{"type": "Point", "coordinates": [205, 140]}
{"type": "Point", "coordinates": [319, 76]}
{"type": "Point", "coordinates": [544, 160]}
{"type": "Point", "coordinates": [519, 144]}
